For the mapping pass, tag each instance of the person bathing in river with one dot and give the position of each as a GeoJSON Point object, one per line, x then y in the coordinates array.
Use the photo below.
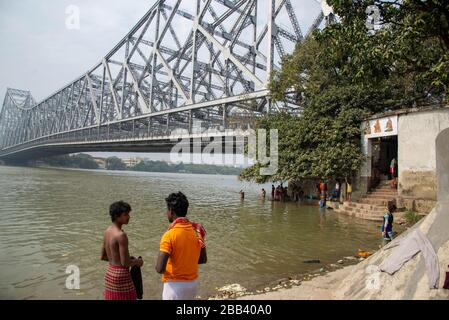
{"type": "Point", "coordinates": [263, 194]}
{"type": "Point", "coordinates": [117, 281]}
{"type": "Point", "coordinates": [348, 190]}
{"type": "Point", "coordinates": [277, 195]}
{"type": "Point", "coordinates": [387, 225]}
{"type": "Point", "coordinates": [182, 248]}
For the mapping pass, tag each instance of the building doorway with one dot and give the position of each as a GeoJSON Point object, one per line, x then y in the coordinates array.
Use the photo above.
{"type": "Point", "coordinates": [384, 150]}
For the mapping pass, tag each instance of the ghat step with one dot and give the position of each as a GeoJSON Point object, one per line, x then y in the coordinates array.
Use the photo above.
{"type": "Point", "coordinates": [373, 205]}
{"type": "Point", "coordinates": [383, 192]}
{"type": "Point", "coordinates": [377, 202]}
{"type": "Point", "coordinates": [380, 196]}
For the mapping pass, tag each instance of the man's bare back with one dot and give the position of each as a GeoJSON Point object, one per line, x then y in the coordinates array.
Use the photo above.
{"type": "Point", "coordinates": [115, 240]}
{"type": "Point", "coordinates": [115, 246]}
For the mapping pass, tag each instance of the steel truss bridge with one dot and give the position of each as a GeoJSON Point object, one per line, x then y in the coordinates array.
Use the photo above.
{"type": "Point", "coordinates": [188, 69]}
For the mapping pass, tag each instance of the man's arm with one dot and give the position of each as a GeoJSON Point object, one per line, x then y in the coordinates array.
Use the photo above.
{"type": "Point", "coordinates": [203, 256]}
{"type": "Point", "coordinates": [104, 255]}
{"type": "Point", "coordinates": [385, 225]}
{"type": "Point", "coordinates": [161, 263]}
{"type": "Point", "coordinates": [125, 259]}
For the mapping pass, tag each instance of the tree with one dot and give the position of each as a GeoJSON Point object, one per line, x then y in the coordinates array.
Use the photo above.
{"type": "Point", "coordinates": [114, 163]}
{"type": "Point", "coordinates": [344, 73]}
{"type": "Point", "coordinates": [161, 166]}
{"type": "Point", "coordinates": [82, 161]}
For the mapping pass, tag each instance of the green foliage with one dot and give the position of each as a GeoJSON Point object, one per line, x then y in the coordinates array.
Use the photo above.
{"type": "Point", "coordinates": [160, 166]}
{"type": "Point", "coordinates": [412, 217]}
{"type": "Point", "coordinates": [344, 73]}
{"type": "Point", "coordinates": [114, 163]}
{"type": "Point", "coordinates": [81, 161]}
{"type": "Point", "coordinates": [414, 44]}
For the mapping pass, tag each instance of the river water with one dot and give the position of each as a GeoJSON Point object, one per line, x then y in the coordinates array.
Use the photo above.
{"type": "Point", "coordinates": [53, 218]}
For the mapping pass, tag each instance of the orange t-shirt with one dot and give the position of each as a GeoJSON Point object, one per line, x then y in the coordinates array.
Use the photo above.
{"type": "Point", "coordinates": [181, 243]}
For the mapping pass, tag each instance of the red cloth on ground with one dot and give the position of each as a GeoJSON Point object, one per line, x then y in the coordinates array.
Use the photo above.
{"type": "Point", "coordinates": [118, 284]}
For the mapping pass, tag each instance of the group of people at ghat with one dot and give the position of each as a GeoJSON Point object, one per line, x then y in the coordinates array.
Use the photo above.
{"type": "Point", "coordinates": [182, 247]}
{"type": "Point", "coordinates": [297, 194]}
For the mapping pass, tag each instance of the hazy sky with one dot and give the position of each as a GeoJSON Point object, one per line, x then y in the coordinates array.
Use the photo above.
{"type": "Point", "coordinates": [38, 52]}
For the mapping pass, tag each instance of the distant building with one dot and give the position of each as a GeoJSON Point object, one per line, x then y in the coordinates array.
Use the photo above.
{"type": "Point", "coordinates": [101, 162]}
{"type": "Point", "coordinates": [131, 162]}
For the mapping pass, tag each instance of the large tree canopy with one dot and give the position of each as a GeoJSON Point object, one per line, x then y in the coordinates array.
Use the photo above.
{"type": "Point", "coordinates": [345, 72]}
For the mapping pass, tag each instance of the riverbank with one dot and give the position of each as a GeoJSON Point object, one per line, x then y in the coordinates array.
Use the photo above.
{"type": "Point", "coordinates": [364, 281]}
{"type": "Point", "coordinates": [316, 284]}
{"type": "Point", "coordinates": [296, 286]}
{"type": "Point", "coordinates": [322, 287]}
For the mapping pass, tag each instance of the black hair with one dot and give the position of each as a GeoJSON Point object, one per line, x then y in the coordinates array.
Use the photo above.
{"type": "Point", "coordinates": [178, 203]}
{"type": "Point", "coordinates": [391, 206]}
{"type": "Point", "coordinates": [118, 208]}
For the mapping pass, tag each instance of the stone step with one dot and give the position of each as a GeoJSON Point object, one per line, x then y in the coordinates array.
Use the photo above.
{"type": "Point", "coordinates": [358, 204]}
{"type": "Point", "coordinates": [370, 216]}
{"type": "Point", "coordinates": [382, 197]}
{"type": "Point", "coordinates": [377, 202]}
{"type": "Point", "coordinates": [378, 196]}
{"type": "Point", "coordinates": [363, 206]}
{"type": "Point", "coordinates": [363, 211]}
{"type": "Point", "coordinates": [385, 189]}
{"type": "Point", "coordinates": [383, 192]}
{"type": "Point", "coordinates": [365, 216]}
{"type": "Point", "coordinates": [385, 186]}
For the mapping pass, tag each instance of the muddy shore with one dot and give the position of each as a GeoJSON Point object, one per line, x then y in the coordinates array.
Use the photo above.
{"type": "Point", "coordinates": [282, 287]}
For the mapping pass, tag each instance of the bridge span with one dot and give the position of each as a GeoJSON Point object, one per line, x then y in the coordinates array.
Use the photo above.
{"type": "Point", "coordinates": [187, 70]}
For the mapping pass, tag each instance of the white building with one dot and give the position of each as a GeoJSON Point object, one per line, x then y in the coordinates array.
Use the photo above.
{"type": "Point", "coordinates": [410, 137]}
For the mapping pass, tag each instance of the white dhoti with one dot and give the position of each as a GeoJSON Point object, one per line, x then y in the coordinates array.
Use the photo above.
{"type": "Point", "coordinates": [180, 290]}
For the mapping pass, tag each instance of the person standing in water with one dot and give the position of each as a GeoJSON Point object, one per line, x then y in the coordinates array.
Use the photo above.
{"type": "Point", "coordinates": [117, 281]}
{"type": "Point", "coordinates": [387, 225]}
{"type": "Point", "coordinates": [348, 190]}
{"type": "Point", "coordinates": [263, 194]}
{"type": "Point", "coordinates": [182, 249]}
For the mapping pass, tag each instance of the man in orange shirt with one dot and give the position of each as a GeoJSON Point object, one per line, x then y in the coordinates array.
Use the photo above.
{"type": "Point", "coordinates": [182, 248]}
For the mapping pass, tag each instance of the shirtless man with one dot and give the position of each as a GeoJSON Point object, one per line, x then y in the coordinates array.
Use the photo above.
{"type": "Point", "coordinates": [118, 282]}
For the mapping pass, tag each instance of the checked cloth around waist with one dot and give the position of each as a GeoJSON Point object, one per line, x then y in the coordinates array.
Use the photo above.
{"type": "Point", "coordinates": [118, 284]}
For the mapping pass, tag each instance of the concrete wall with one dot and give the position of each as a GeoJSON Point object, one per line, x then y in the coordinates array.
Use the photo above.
{"type": "Point", "coordinates": [442, 158]}
{"type": "Point", "coordinates": [410, 281]}
{"type": "Point", "coordinates": [417, 133]}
